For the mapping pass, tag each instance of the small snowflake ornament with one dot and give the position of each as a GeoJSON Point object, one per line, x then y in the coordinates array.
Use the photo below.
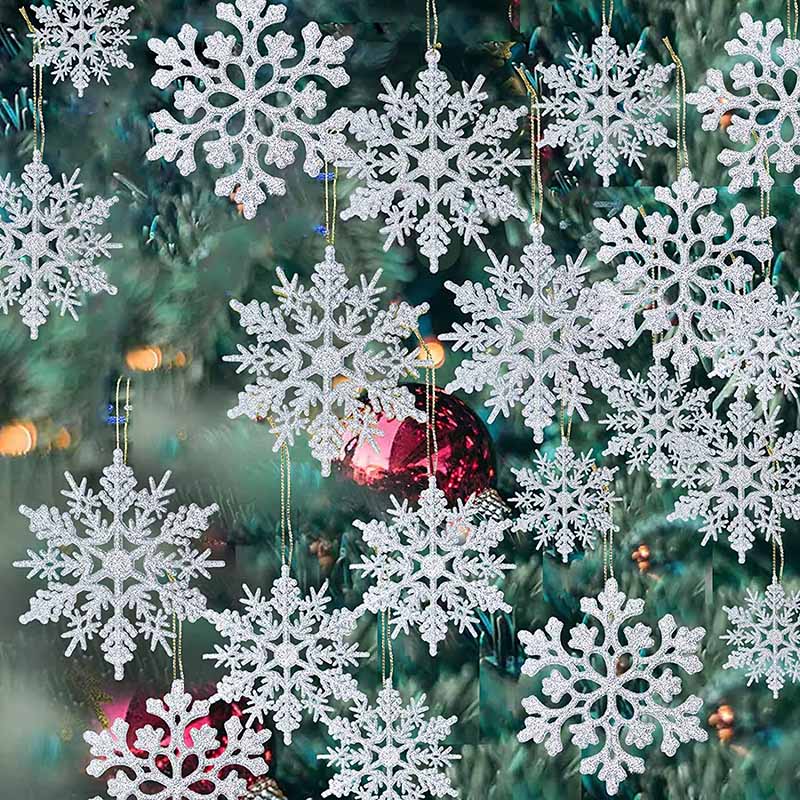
{"type": "Point", "coordinates": [536, 337]}
{"type": "Point", "coordinates": [605, 106]}
{"type": "Point", "coordinates": [286, 654]}
{"type": "Point", "coordinates": [764, 637]}
{"type": "Point", "coordinates": [617, 691]}
{"type": "Point", "coordinates": [761, 106]}
{"type": "Point", "coordinates": [748, 480]}
{"type": "Point", "coordinates": [182, 759]}
{"type": "Point", "coordinates": [272, 106]}
{"type": "Point", "coordinates": [319, 352]}
{"type": "Point", "coordinates": [760, 348]}
{"type": "Point", "coordinates": [117, 551]}
{"type": "Point", "coordinates": [655, 421]}
{"type": "Point", "coordinates": [81, 40]}
{"type": "Point", "coordinates": [433, 566]}
{"type": "Point", "coordinates": [49, 244]}
{"type": "Point", "coordinates": [390, 751]}
{"type": "Point", "coordinates": [565, 501]}
{"type": "Point", "coordinates": [434, 162]}
{"type": "Point", "coordinates": [685, 271]}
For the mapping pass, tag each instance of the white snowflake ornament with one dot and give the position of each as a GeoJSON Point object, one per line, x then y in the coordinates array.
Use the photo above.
{"type": "Point", "coordinates": [182, 759]}
{"type": "Point", "coordinates": [82, 40]}
{"type": "Point", "coordinates": [760, 348]}
{"type": "Point", "coordinates": [390, 751]}
{"type": "Point", "coordinates": [764, 637]}
{"type": "Point", "coordinates": [137, 558]}
{"type": "Point", "coordinates": [433, 566]}
{"type": "Point", "coordinates": [434, 162]}
{"type": "Point", "coordinates": [617, 691]}
{"type": "Point", "coordinates": [272, 107]}
{"type": "Point", "coordinates": [286, 654]}
{"type": "Point", "coordinates": [605, 106]}
{"type": "Point", "coordinates": [685, 271]}
{"type": "Point", "coordinates": [319, 352]}
{"type": "Point", "coordinates": [764, 119]}
{"type": "Point", "coordinates": [748, 480]}
{"type": "Point", "coordinates": [565, 501]}
{"type": "Point", "coordinates": [49, 244]}
{"type": "Point", "coordinates": [534, 337]}
{"type": "Point", "coordinates": [655, 420]}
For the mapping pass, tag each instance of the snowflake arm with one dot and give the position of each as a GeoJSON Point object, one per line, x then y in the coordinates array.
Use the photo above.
{"type": "Point", "coordinates": [630, 715]}
{"type": "Point", "coordinates": [204, 760]}
{"type": "Point", "coordinates": [604, 106]}
{"type": "Point", "coordinates": [97, 570]}
{"type": "Point", "coordinates": [433, 163]}
{"type": "Point", "coordinates": [287, 124]}
{"type": "Point", "coordinates": [433, 566]}
{"type": "Point", "coordinates": [317, 350]}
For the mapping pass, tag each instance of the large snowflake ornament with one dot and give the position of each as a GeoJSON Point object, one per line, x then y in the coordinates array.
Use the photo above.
{"type": "Point", "coordinates": [684, 271]}
{"type": "Point", "coordinates": [748, 480]}
{"type": "Point", "coordinates": [565, 501]}
{"type": "Point", "coordinates": [605, 106]}
{"type": "Point", "coordinates": [327, 360]}
{"type": "Point", "coordinates": [390, 751]}
{"type": "Point", "coordinates": [433, 162]}
{"type": "Point", "coordinates": [617, 691]}
{"type": "Point", "coordinates": [49, 244]}
{"type": "Point", "coordinates": [81, 40]}
{"type": "Point", "coordinates": [115, 551]}
{"type": "Point", "coordinates": [433, 565]}
{"type": "Point", "coordinates": [286, 654]}
{"type": "Point", "coordinates": [655, 421]}
{"type": "Point", "coordinates": [761, 106]}
{"type": "Point", "coordinates": [181, 760]}
{"type": "Point", "coordinates": [251, 101]}
{"type": "Point", "coordinates": [764, 636]}
{"type": "Point", "coordinates": [760, 348]}
{"type": "Point", "coordinates": [533, 336]}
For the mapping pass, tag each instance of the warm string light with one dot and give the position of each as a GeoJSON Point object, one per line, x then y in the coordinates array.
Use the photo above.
{"type": "Point", "coordinates": [432, 25]}
{"type": "Point", "coordinates": [38, 88]}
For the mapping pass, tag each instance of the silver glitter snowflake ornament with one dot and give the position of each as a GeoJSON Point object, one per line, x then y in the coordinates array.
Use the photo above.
{"type": "Point", "coordinates": [275, 108]}
{"type": "Point", "coordinates": [762, 104]}
{"type": "Point", "coordinates": [764, 637]}
{"type": "Point", "coordinates": [286, 654]}
{"type": "Point", "coordinates": [683, 272]}
{"type": "Point", "coordinates": [117, 565]}
{"type": "Point", "coordinates": [182, 759]}
{"type": "Point", "coordinates": [617, 691]}
{"type": "Point", "coordinates": [760, 348]}
{"type": "Point", "coordinates": [433, 566]}
{"type": "Point", "coordinates": [747, 481]}
{"type": "Point", "coordinates": [390, 751]}
{"type": "Point", "coordinates": [434, 162]}
{"type": "Point", "coordinates": [534, 336]}
{"type": "Point", "coordinates": [81, 40]}
{"type": "Point", "coordinates": [655, 421]}
{"type": "Point", "coordinates": [604, 105]}
{"type": "Point", "coordinates": [49, 244]}
{"type": "Point", "coordinates": [565, 501]}
{"type": "Point", "coordinates": [319, 352]}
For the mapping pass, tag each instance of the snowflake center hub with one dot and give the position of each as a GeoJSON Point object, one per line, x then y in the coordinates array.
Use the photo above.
{"type": "Point", "coordinates": [606, 105]}
{"type": "Point", "coordinates": [740, 476]}
{"type": "Point", "coordinates": [766, 345]}
{"type": "Point", "coordinates": [35, 244]}
{"type": "Point", "coordinates": [82, 37]}
{"type": "Point", "coordinates": [537, 336]}
{"type": "Point", "coordinates": [563, 500]}
{"type": "Point", "coordinates": [658, 422]}
{"type": "Point", "coordinates": [119, 564]}
{"type": "Point", "coordinates": [389, 756]}
{"type": "Point", "coordinates": [775, 637]}
{"type": "Point", "coordinates": [434, 163]}
{"type": "Point", "coordinates": [286, 655]}
{"type": "Point", "coordinates": [329, 360]}
{"type": "Point", "coordinates": [433, 566]}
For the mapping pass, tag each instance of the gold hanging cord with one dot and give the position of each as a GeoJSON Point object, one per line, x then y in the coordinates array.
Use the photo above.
{"type": "Point", "coordinates": [38, 99]}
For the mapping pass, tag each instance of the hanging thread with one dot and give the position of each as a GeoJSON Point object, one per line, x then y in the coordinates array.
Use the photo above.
{"type": "Point", "coordinates": [431, 440]}
{"type": "Point", "coordinates": [791, 19]}
{"type": "Point", "coordinates": [330, 205]}
{"type": "Point", "coordinates": [38, 88]}
{"type": "Point", "coordinates": [537, 186]}
{"type": "Point", "coordinates": [127, 410]}
{"type": "Point", "coordinates": [177, 638]}
{"type": "Point", "coordinates": [287, 535]}
{"type": "Point", "coordinates": [681, 151]}
{"type": "Point", "coordinates": [607, 17]}
{"type": "Point", "coordinates": [385, 643]}
{"type": "Point", "coordinates": [432, 30]}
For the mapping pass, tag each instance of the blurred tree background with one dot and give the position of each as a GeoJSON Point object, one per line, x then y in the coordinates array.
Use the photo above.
{"type": "Point", "coordinates": [187, 252]}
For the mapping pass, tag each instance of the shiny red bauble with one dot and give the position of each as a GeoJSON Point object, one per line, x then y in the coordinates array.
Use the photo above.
{"type": "Point", "coordinates": [466, 463]}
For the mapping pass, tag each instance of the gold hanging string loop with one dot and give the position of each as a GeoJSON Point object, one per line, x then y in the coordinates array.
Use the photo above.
{"type": "Point", "coordinates": [791, 18]}
{"type": "Point", "coordinates": [330, 204]}
{"type": "Point", "coordinates": [387, 653]}
{"type": "Point", "coordinates": [432, 25]}
{"type": "Point", "coordinates": [126, 408]}
{"type": "Point", "coordinates": [287, 534]}
{"type": "Point", "coordinates": [431, 440]}
{"type": "Point", "coordinates": [38, 90]}
{"type": "Point", "coordinates": [177, 642]}
{"type": "Point", "coordinates": [537, 187]}
{"type": "Point", "coordinates": [681, 151]}
{"type": "Point", "coordinates": [607, 15]}
{"type": "Point", "coordinates": [565, 420]}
